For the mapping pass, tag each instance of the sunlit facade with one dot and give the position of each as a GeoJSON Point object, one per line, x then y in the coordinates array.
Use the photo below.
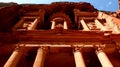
{"type": "Point", "coordinates": [60, 34]}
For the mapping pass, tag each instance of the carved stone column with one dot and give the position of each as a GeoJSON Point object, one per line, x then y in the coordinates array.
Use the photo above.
{"type": "Point", "coordinates": [40, 57]}
{"type": "Point", "coordinates": [53, 25]}
{"type": "Point", "coordinates": [33, 25]}
{"type": "Point", "coordinates": [65, 25]}
{"type": "Point", "coordinates": [84, 25]}
{"type": "Point", "coordinates": [14, 58]}
{"type": "Point", "coordinates": [105, 62]}
{"type": "Point", "coordinates": [79, 61]}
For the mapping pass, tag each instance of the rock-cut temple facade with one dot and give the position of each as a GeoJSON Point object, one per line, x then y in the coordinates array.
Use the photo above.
{"type": "Point", "coordinates": [60, 34]}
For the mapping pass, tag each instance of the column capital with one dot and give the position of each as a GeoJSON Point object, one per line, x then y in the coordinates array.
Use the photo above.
{"type": "Point", "coordinates": [18, 48]}
{"type": "Point", "coordinates": [76, 48]}
{"type": "Point", "coordinates": [98, 50]}
{"type": "Point", "coordinates": [42, 47]}
{"type": "Point", "coordinates": [45, 49]}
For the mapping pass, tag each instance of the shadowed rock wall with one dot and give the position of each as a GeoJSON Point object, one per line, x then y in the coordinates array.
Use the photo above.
{"type": "Point", "coordinates": [8, 17]}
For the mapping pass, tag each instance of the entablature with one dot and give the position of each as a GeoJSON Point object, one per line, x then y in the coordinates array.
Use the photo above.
{"type": "Point", "coordinates": [37, 36]}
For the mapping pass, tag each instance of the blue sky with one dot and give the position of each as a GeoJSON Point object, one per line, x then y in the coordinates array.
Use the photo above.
{"type": "Point", "coordinates": [107, 5]}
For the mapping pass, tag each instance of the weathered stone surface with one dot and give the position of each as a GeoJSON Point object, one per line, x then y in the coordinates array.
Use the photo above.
{"type": "Point", "coordinates": [43, 36]}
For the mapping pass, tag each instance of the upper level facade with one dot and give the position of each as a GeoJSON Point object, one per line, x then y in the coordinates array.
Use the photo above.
{"type": "Point", "coordinates": [58, 22]}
